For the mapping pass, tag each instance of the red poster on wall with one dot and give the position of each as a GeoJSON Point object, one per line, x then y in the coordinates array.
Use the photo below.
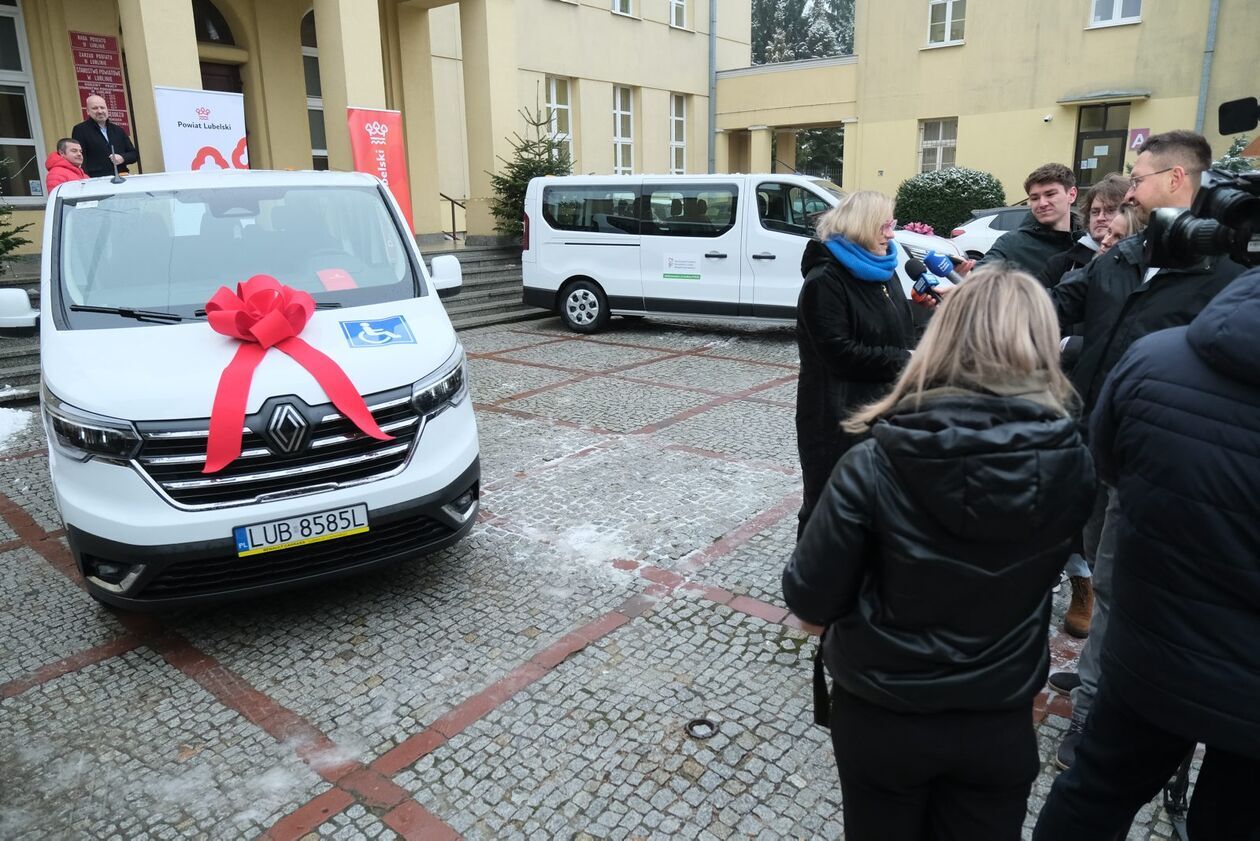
{"type": "Point", "coordinates": [98, 70]}
{"type": "Point", "coordinates": [376, 141]}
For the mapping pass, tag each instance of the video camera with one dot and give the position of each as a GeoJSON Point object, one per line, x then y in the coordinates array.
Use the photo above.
{"type": "Point", "coordinates": [1225, 215]}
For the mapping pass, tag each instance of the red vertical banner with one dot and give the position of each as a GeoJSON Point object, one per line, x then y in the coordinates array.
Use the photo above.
{"type": "Point", "coordinates": [376, 141]}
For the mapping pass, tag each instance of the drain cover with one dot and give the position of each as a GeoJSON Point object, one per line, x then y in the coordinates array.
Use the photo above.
{"type": "Point", "coordinates": [701, 728]}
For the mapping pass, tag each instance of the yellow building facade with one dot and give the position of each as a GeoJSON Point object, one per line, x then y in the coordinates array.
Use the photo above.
{"type": "Point", "coordinates": [999, 86]}
{"type": "Point", "coordinates": [628, 81]}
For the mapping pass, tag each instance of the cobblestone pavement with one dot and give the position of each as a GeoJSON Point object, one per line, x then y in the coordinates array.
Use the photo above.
{"type": "Point", "coordinates": [534, 681]}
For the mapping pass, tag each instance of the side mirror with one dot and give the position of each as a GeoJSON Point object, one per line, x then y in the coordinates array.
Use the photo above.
{"type": "Point", "coordinates": [447, 275]}
{"type": "Point", "coordinates": [17, 317]}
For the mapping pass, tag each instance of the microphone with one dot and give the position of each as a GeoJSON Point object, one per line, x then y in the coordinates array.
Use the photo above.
{"type": "Point", "coordinates": [942, 266]}
{"type": "Point", "coordinates": [924, 283]}
{"type": "Point", "coordinates": [117, 179]}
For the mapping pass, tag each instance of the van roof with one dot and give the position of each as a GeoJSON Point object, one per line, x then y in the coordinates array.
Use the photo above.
{"type": "Point", "coordinates": [212, 179]}
{"type": "Point", "coordinates": [647, 176]}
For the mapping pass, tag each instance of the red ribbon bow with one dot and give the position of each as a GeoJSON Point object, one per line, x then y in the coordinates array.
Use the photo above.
{"type": "Point", "coordinates": [264, 313]}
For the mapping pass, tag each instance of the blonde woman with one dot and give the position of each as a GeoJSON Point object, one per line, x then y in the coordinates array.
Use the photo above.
{"type": "Point", "coordinates": [1125, 223]}
{"type": "Point", "coordinates": [853, 328]}
{"type": "Point", "coordinates": [929, 561]}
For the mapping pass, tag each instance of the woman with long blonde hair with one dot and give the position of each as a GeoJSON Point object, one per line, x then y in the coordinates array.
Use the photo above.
{"type": "Point", "coordinates": [929, 562]}
{"type": "Point", "coordinates": [853, 329]}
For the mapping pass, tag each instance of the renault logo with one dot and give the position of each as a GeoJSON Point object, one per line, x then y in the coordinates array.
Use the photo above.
{"type": "Point", "coordinates": [287, 430]}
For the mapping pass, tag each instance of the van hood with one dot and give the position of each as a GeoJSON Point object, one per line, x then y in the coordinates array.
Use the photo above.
{"type": "Point", "coordinates": [171, 371]}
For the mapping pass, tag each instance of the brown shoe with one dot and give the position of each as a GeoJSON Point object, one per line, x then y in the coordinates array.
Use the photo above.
{"type": "Point", "coordinates": [1076, 621]}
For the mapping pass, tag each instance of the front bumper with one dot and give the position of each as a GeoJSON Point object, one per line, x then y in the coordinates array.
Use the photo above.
{"type": "Point", "coordinates": [178, 575]}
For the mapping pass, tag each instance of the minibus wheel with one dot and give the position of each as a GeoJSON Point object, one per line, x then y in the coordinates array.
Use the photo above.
{"type": "Point", "coordinates": [584, 307]}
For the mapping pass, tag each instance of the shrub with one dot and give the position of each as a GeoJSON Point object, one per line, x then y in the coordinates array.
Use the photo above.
{"type": "Point", "coordinates": [538, 153]}
{"type": "Point", "coordinates": [945, 198]}
{"type": "Point", "coordinates": [10, 235]}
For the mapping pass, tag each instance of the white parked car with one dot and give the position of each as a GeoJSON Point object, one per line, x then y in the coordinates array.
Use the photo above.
{"type": "Point", "coordinates": [976, 236]}
{"type": "Point", "coordinates": [722, 246]}
{"type": "Point", "coordinates": [131, 370]}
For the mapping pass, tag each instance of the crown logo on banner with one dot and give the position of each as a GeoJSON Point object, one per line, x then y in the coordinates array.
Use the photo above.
{"type": "Point", "coordinates": [376, 132]}
{"type": "Point", "coordinates": [203, 113]}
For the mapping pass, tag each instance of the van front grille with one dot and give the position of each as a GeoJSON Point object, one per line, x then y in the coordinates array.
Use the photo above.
{"type": "Point", "coordinates": [399, 539]}
{"type": "Point", "coordinates": [326, 451]}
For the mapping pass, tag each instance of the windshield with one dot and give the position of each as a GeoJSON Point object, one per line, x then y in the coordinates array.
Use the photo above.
{"type": "Point", "coordinates": [170, 251]}
{"type": "Point", "coordinates": [834, 189]}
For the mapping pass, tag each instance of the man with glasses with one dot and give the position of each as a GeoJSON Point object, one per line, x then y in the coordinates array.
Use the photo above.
{"type": "Point", "coordinates": [1051, 189]}
{"type": "Point", "coordinates": [1100, 205]}
{"type": "Point", "coordinates": [1120, 299]}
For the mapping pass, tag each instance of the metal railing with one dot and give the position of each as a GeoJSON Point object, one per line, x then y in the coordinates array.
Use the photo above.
{"type": "Point", "coordinates": [454, 232]}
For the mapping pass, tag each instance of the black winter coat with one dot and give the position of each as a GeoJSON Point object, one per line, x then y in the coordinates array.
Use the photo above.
{"type": "Point", "coordinates": [1177, 430]}
{"type": "Point", "coordinates": [1029, 247]}
{"type": "Point", "coordinates": [96, 150]}
{"type": "Point", "coordinates": [853, 337]}
{"type": "Point", "coordinates": [1118, 308]}
{"type": "Point", "coordinates": [1065, 261]}
{"type": "Point", "coordinates": [931, 555]}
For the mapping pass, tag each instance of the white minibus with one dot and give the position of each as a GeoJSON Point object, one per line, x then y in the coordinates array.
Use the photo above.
{"type": "Point", "coordinates": [725, 246]}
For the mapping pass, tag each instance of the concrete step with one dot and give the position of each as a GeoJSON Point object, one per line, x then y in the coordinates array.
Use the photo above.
{"type": "Point", "coordinates": [508, 292]}
{"type": "Point", "coordinates": [467, 322]}
{"type": "Point", "coordinates": [14, 350]}
{"type": "Point", "coordinates": [486, 306]}
{"type": "Point", "coordinates": [22, 395]}
{"type": "Point", "coordinates": [20, 375]}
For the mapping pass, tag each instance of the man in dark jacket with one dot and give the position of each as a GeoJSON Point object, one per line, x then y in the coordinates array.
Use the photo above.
{"type": "Point", "coordinates": [1100, 205]}
{"type": "Point", "coordinates": [1177, 431]}
{"type": "Point", "coordinates": [105, 144]}
{"type": "Point", "coordinates": [1051, 189]}
{"type": "Point", "coordinates": [1120, 299]}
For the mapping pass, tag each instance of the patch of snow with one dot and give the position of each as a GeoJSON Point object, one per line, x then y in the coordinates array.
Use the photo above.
{"type": "Point", "coordinates": [13, 421]}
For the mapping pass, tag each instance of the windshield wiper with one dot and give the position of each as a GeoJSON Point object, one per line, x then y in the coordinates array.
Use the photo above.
{"type": "Point", "coordinates": [319, 305]}
{"type": "Point", "coordinates": [130, 312]}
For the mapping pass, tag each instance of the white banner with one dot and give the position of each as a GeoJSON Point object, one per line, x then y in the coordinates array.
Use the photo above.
{"type": "Point", "coordinates": [201, 129]}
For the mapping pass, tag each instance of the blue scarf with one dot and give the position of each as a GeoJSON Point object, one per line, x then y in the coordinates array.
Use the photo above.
{"type": "Point", "coordinates": [861, 263]}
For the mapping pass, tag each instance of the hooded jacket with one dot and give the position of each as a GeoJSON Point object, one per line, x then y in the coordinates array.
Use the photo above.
{"type": "Point", "coordinates": [1118, 306]}
{"type": "Point", "coordinates": [61, 170]}
{"type": "Point", "coordinates": [1081, 252]}
{"type": "Point", "coordinates": [1177, 430]}
{"type": "Point", "coordinates": [853, 337]}
{"type": "Point", "coordinates": [1029, 247]}
{"type": "Point", "coordinates": [931, 555]}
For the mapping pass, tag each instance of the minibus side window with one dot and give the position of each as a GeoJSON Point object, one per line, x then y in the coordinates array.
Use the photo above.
{"type": "Point", "coordinates": [689, 210]}
{"type": "Point", "coordinates": [787, 208]}
{"type": "Point", "coordinates": [592, 208]}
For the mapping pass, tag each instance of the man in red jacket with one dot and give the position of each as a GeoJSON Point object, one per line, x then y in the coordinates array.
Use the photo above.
{"type": "Point", "coordinates": [66, 164]}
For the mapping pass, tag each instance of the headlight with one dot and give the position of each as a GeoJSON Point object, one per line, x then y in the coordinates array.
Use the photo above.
{"type": "Point", "coordinates": [445, 387]}
{"type": "Point", "coordinates": [81, 435]}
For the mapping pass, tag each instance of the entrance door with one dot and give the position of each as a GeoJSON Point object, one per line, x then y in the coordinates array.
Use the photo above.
{"type": "Point", "coordinates": [1101, 136]}
{"type": "Point", "coordinates": [221, 77]}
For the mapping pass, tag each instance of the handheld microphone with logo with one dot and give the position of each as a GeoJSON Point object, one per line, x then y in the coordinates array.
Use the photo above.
{"type": "Point", "coordinates": [942, 266]}
{"type": "Point", "coordinates": [924, 283]}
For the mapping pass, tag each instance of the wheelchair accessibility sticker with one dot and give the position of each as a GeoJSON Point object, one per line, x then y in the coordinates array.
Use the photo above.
{"type": "Point", "coordinates": [381, 331]}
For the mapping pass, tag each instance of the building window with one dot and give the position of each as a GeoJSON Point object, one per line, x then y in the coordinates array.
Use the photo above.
{"type": "Point", "coordinates": [314, 94]}
{"type": "Point", "coordinates": [623, 131]}
{"type": "Point", "coordinates": [623, 7]}
{"type": "Point", "coordinates": [21, 141]}
{"type": "Point", "coordinates": [945, 21]}
{"type": "Point", "coordinates": [560, 112]}
{"type": "Point", "coordinates": [1111, 12]}
{"type": "Point", "coordinates": [678, 13]}
{"type": "Point", "coordinates": [677, 134]}
{"type": "Point", "coordinates": [1102, 133]}
{"type": "Point", "coordinates": [938, 141]}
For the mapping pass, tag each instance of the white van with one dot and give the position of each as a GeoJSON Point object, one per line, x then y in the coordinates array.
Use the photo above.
{"type": "Point", "coordinates": [131, 367]}
{"type": "Point", "coordinates": [725, 246]}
